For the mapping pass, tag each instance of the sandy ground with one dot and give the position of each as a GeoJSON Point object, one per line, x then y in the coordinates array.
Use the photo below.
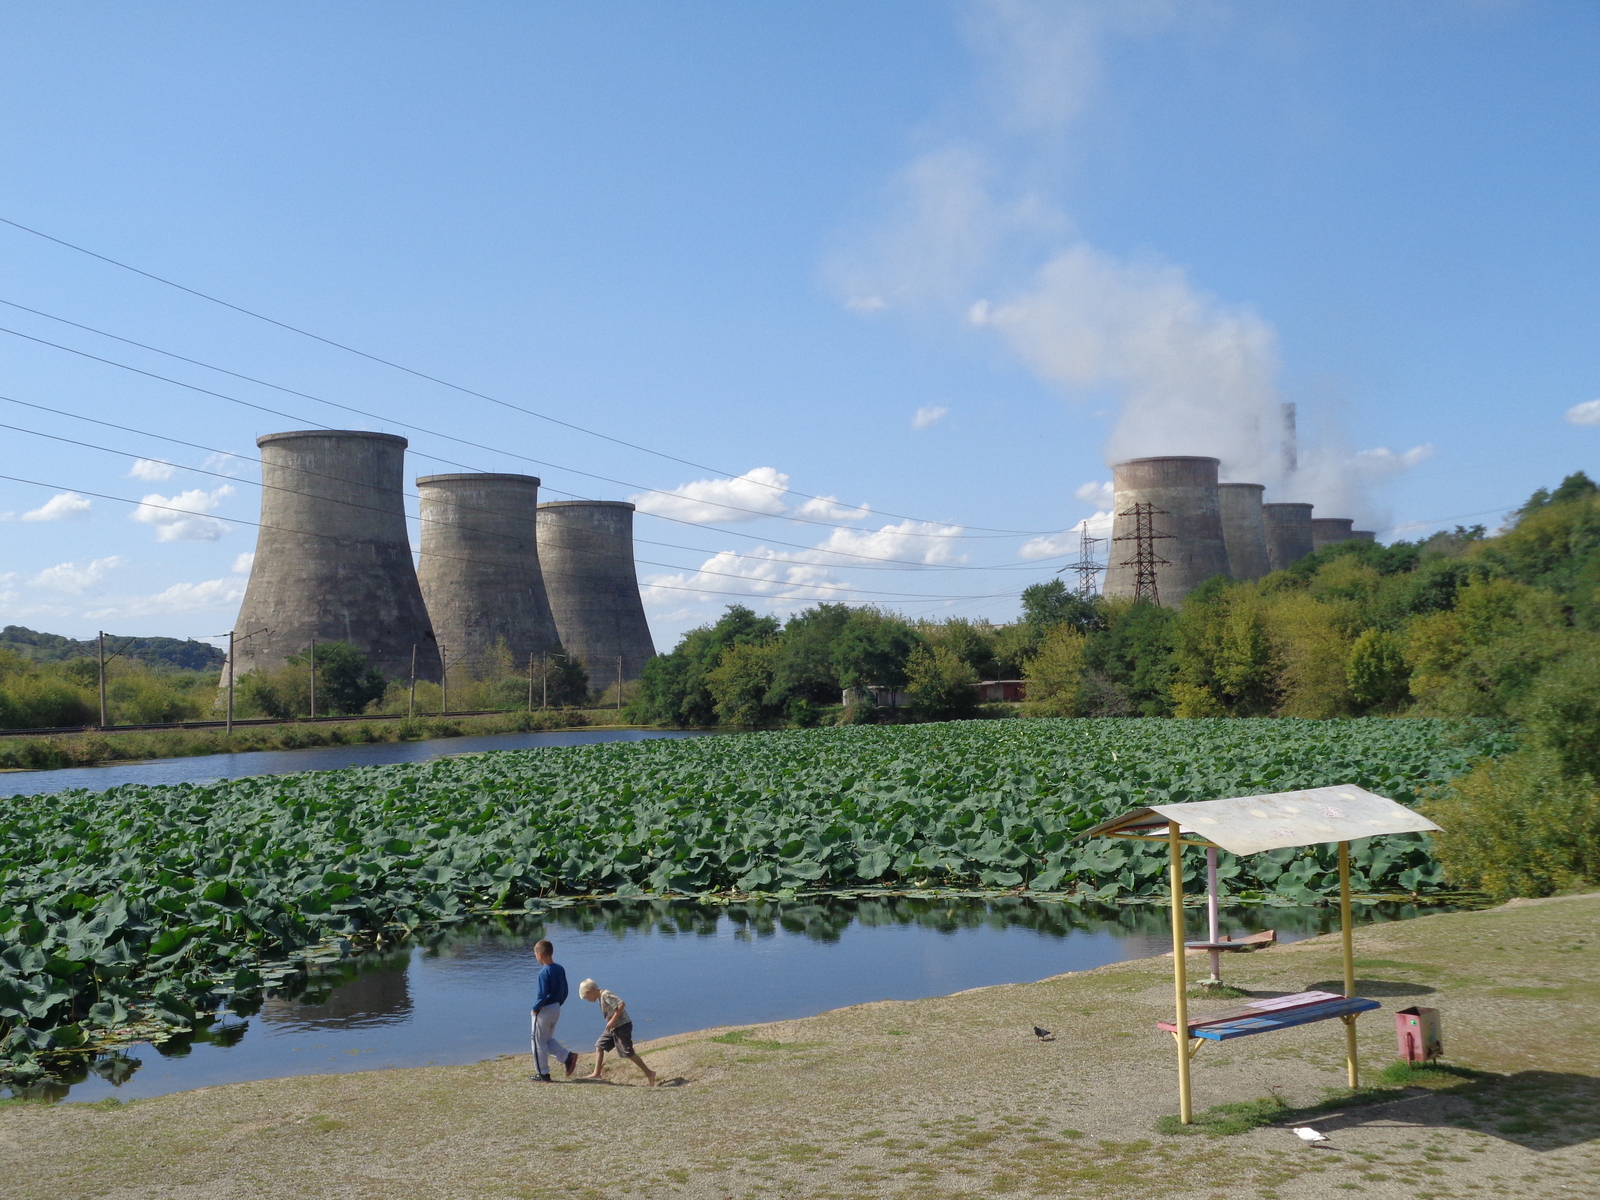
{"type": "Point", "coordinates": [951, 1097]}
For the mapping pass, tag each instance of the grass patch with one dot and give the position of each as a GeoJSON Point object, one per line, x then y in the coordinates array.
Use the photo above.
{"type": "Point", "coordinates": [1398, 1078]}
{"type": "Point", "coordinates": [742, 1038]}
{"type": "Point", "coordinates": [1216, 991]}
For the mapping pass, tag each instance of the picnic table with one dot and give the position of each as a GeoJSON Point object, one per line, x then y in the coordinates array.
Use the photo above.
{"type": "Point", "coordinates": [1250, 825]}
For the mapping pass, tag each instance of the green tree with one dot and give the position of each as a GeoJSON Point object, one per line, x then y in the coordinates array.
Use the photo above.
{"type": "Point", "coordinates": [1046, 605]}
{"type": "Point", "coordinates": [1130, 661]}
{"type": "Point", "coordinates": [741, 684]}
{"type": "Point", "coordinates": [1055, 674]}
{"type": "Point", "coordinates": [873, 649]}
{"type": "Point", "coordinates": [673, 689]}
{"type": "Point", "coordinates": [344, 684]}
{"type": "Point", "coordinates": [942, 685]}
{"type": "Point", "coordinates": [1376, 671]}
{"type": "Point", "coordinates": [1561, 711]}
{"type": "Point", "coordinates": [566, 677]}
{"type": "Point", "coordinates": [804, 675]}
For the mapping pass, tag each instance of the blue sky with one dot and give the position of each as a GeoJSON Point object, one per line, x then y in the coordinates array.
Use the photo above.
{"type": "Point", "coordinates": [937, 262]}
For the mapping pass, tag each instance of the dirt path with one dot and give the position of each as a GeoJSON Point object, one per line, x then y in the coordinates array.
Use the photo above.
{"type": "Point", "coordinates": [952, 1097]}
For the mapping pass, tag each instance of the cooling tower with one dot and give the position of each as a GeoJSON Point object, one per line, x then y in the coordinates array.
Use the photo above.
{"type": "Point", "coordinates": [333, 560]}
{"type": "Point", "coordinates": [1325, 531]}
{"type": "Point", "coordinates": [479, 568]}
{"type": "Point", "coordinates": [1288, 533]}
{"type": "Point", "coordinates": [1186, 492]}
{"type": "Point", "coordinates": [1244, 530]}
{"type": "Point", "coordinates": [1363, 535]}
{"type": "Point", "coordinates": [586, 548]}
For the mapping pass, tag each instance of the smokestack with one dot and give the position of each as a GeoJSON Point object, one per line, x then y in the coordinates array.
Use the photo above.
{"type": "Point", "coordinates": [1291, 441]}
{"type": "Point", "coordinates": [1325, 531]}
{"type": "Point", "coordinates": [586, 547]}
{"type": "Point", "coordinates": [479, 569]}
{"type": "Point", "coordinates": [333, 560]}
{"type": "Point", "coordinates": [1184, 492]}
{"type": "Point", "coordinates": [1244, 530]}
{"type": "Point", "coordinates": [1288, 533]}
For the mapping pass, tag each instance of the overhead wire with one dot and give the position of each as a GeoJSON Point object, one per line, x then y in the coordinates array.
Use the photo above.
{"type": "Point", "coordinates": [433, 378]}
{"type": "Point", "coordinates": [893, 564]}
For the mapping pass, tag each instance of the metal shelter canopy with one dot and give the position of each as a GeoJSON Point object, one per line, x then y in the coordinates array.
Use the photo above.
{"type": "Point", "coordinates": [1249, 825]}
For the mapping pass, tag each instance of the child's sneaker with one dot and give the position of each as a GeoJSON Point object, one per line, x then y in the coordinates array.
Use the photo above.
{"type": "Point", "coordinates": [572, 1063]}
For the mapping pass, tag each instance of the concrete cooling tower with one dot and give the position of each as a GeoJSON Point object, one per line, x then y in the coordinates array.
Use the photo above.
{"type": "Point", "coordinates": [1185, 490]}
{"type": "Point", "coordinates": [1288, 533]}
{"type": "Point", "coordinates": [586, 548]}
{"type": "Point", "coordinates": [1325, 531]}
{"type": "Point", "coordinates": [1244, 530]}
{"type": "Point", "coordinates": [479, 568]}
{"type": "Point", "coordinates": [1363, 535]}
{"type": "Point", "coordinates": [333, 560]}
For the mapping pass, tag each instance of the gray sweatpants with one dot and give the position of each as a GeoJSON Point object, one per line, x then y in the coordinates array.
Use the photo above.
{"type": "Point", "coordinates": [545, 1046]}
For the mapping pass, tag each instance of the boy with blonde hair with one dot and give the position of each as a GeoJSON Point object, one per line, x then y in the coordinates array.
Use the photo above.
{"type": "Point", "coordinates": [619, 1030]}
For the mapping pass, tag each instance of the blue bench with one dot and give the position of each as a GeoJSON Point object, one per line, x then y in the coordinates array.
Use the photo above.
{"type": "Point", "coordinates": [1280, 1012]}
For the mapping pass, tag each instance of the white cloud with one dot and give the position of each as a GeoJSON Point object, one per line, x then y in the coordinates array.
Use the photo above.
{"type": "Point", "coordinates": [866, 304]}
{"type": "Point", "coordinates": [182, 518]}
{"type": "Point", "coordinates": [64, 506]}
{"type": "Point", "coordinates": [227, 464]}
{"type": "Point", "coordinates": [1096, 492]}
{"type": "Point", "coordinates": [929, 415]}
{"type": "Point", "coordinates": [763, 573]}
{"type": "Point", "coordinates": [74, 580]}
{"type": "Point", "coordinates": [179, 598]}
{"type": "Point", "coordinates": [917, 541]}
{"type": "Point", "coordinates": [1587, 413]}
{"type": "Point", "coordinates": [1070, 541]}
{"type": "Point", "coordinates": [245, 561]}
{"type": "Point", "coordinates": [757, 493]}
{"type": "Point", "coordinates": [830, 508]}
{"type": "Point", "coordinates": [152, 470]}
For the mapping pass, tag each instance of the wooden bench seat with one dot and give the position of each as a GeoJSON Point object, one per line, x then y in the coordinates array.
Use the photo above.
{"type": "Point", "coordinates": [1277, 1012]}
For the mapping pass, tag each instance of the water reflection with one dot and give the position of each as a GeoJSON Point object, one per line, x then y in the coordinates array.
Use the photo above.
{"type": "Point", "coordinates": [461, 994]}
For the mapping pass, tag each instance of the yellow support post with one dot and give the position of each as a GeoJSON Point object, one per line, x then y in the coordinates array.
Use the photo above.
{"type": "Point", "coordinates": [1352, 1070]}
{"type": "Point", "coordinates": [1180, 979]}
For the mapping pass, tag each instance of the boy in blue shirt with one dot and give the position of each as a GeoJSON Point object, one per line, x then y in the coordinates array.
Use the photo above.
{"type": "Point", "coordinates": [547, 1011]}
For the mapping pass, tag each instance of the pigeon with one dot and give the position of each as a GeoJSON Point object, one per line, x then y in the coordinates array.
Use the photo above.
{"type": "Point", "coordinates": [1044, 1035]}
{"type": "Point", "coordinates": [1310, 1136]}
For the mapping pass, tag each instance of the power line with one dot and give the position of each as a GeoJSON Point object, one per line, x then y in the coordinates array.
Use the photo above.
{"type": "Point", "coordinates": [895, 564]}
{"type": "Point", "coordinates": [447, 436]}
{"type": "Point", "coordinates": [457, 558]}
{"type": "Point", "coordinates": [422, 374]}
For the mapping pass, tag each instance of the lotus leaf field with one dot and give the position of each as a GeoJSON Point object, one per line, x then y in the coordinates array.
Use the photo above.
{"type": "Point", "coordinates": [146, 904]}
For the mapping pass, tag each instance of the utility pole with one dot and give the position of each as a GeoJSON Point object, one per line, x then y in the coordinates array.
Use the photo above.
{"type": "Point", "coordinates": [102, 679]}
{"type": "Point", "coordinates": [544, 680]}
{"type": "Point", "coordinates": [444, 683]}
{"type": "Point", "coordinates": [619, 683]}
{"type": "Point", "coordinates": [231, 661]}
{"type": "Point", "coordinates": [1087, 566]}
{"type": "Point", "coordinates": [1145, 560]}
{"type": "Point", "coordinates": [313, 677]}
{"type": "Point", "coordinates": [411, 701]}
{"type": "Point", "coordinates": [530, 682]}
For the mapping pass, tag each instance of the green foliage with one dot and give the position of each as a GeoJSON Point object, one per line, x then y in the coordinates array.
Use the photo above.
{"type": "Point", "coordinates": [1055, 674]}
{"type": "Point", "coordinates": [741, 682]}
{"type": "Point", "coordinates": [1376, 671]}
{"type": "Point", "coordinates": [1519, 826]}
{"type": "Point", "coordinates": [674, 689]}
{"type": "Point", "coordinates": [160, 900]}
{"type": "Point", "coordinates": [42, 693]}
{"type": "Point", "coordinates": [942, 684]}
{"type": "Point", "coordinates": [874, 648]}
{"type": "Point", "coordinates": [1046, 605]}
{"type": "Point", "coordinates": [156, 652]}
{"type": "Point", "coordinates": [1130, 668]}
{"type": "Point", "coordinates": [343, 684]}
{"type": "Point", "coordinates": [1562, 711]}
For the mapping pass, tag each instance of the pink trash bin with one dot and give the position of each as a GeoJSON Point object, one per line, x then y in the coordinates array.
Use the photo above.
{"type": "Point", "coordinates": [1419, 1034]}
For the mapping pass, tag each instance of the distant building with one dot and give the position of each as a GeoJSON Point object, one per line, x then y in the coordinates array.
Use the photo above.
{"type": "Point", "coordinates": [1010, 691]}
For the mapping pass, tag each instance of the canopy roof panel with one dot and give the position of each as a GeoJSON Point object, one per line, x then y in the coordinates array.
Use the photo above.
{"type": "Point", "coordinates": [1251, 824]}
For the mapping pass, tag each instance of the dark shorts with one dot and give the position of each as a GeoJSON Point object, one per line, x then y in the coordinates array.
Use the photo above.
{"type": "Point", "coordinates": [619, 1039]}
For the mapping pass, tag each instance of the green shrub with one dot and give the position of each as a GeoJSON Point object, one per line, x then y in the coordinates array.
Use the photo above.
{"type": "Point", "coordinates": [1519, 826]}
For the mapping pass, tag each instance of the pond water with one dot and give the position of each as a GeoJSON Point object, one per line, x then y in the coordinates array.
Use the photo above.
{"type": "Point", "coordinates": [207, 768]}
{"type": "Point", "coordinates": [462, 995]}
